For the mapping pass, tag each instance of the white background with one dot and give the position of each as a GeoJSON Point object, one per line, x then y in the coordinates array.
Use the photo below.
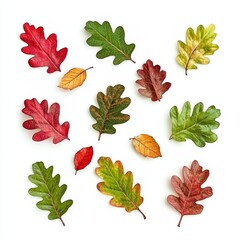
{"type": "Point", "coordinates": [155, 27]}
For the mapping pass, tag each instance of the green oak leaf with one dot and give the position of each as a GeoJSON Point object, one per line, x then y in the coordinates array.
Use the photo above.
{"type": "Point", "coordinates": [196, 47]}
{"type": "Point", "coordinates": [118, 185]}
{"type": "Point", "coordinates": [49, 190]}
{"type": "Point", "coordinates": [109, 111]}
{"type": "Point", "coordinates": [197, 126]}
{"type": "Point", "coordinates": [112, 43]}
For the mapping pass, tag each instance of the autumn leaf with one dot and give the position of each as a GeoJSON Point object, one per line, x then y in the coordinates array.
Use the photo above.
{"type": "Point", "coordinates": [82, 158]}
{"type": "Point", "coordinates": [190, 191]}
{"type": "Point", "coordinates": [198, 45]}
{"type": "Point", "coordinates": [49, 190]}
{"type": "Point", "coordinates": [112, 43]}
{"type": "Point", "coordinates": [152, 78]}
{"type": "Point", "coordinates": [47, 120]}
{"type": "Point", "coordinates": [118, 185]}
{"type": "Point", "coordinates": [146, 145]}
{"type": "Point", "coordinates": [109, 111]}
{"type": "Point", "coordinates": [197, 126]}
{"type": "Point", "coordinates": [44, 50]}
{"type": "Point", "coordinates": [73, 78]}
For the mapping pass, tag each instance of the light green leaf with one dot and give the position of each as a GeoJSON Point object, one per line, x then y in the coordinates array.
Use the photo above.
{"type": "Point", "coordinates": [197, 46]}
{"type": "Point", "coordinates": [118, 185]}
{"type": "Point", "coordinates": [112, 43]}
{"type": "Point", "coordinates": [109, 111]}
{"type": "Point", "coordinates": [49, 190]}
{"type": "Point", "coordinates": [197, 126]}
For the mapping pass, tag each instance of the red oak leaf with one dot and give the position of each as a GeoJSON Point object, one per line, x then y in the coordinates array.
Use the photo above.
{"type": "Point", "coordinates": [190, 190]}
{"type": "Point", "coordinates": [152, 81]}
{"type": "Point", "coordinates": [47, 120]}
{"type": "Point", "coordinates": [44, 50]}
{"type": "Point", "coordinates": [82, 158]}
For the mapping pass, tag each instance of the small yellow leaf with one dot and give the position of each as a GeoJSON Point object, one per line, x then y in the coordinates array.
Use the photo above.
{"type": "Point", "coordinates": [146, 146]}
{"type": "Point", "coordinates": [73, 78]}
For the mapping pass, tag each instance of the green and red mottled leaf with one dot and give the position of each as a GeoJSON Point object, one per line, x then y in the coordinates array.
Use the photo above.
{"type": "Point", "coordinates": [44, 50]}
{"type": "Point", "coordinates": [109, 111]}
{"type": "Point", "coordinates": [190, 191]}
{"type": "Point", "coordinates": [118, 185]}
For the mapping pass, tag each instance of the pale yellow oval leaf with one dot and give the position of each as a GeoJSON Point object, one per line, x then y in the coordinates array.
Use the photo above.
{"type": "Point", "coordinates": [73, 78]}
{"type": "Point", "coordinates": [146, 146]}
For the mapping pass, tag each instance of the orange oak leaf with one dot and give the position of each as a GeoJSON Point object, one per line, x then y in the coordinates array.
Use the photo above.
{"type": "Point", "coordinates": [44, 50]}
{"type": "Point", "coordinates": [47, 120]}
{"type": "Point", "coordinates": [73, 78]}
{"type": "Point", "coordinates": [152, 78]}
{"type": "Point", "coordinates": [146, 145]}
{"type": "Point", "coordinates": [190, 191]}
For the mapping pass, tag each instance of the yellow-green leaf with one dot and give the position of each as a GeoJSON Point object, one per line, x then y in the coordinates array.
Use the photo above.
{"type": "Point", "coordinates": [73, 78]}
{"type": "Point", "coordinates": [118, 185]}
{"type": "Point", "coordinates": [197, 46]}
{"type": "Point", "coordinates": [146, 145]}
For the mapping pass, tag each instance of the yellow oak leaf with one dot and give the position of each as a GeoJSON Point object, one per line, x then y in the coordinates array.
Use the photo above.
{"type": "Point", "coordinates": [146, 146]}
{"type": "Point", "coordinates": [73, 78]}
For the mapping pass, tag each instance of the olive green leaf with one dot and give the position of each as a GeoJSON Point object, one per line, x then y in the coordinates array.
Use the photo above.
{"type": "Point", "coordinates": [197, 126]}
{"type": "Point", "coordinates": [112, 43]}
{"type": "Point", "coordinates": [118, 185]}
{"type": "Point", "coordinates": [49, 190]}
{"type": "Point", "coordinates": [109, 111]}
{"type": "Point", "coordinates": [197, 46]}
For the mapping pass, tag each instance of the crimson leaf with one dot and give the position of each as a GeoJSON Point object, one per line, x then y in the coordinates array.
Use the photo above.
{"type": "Point", "coordinates": [44, 50]}
{"type": "Point", "coordinates": [47, 120]}
{"type": "Point", "coordinates": [152, 78]}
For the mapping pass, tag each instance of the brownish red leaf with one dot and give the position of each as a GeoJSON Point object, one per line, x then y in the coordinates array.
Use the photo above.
{"type": "Point", "coordinates": [152, 78]}
{"type": "Point", "coordinates": [82, 158]}
{"type": "Point", "coordinates": [190, 191]}
{"type": "Point", "coordinates": [47, 120]}
{"type": "Point", "coordinates": [44, 50]}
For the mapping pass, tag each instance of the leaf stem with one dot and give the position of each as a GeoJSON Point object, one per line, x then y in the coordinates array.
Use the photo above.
{"type": "Point", "coordinates": [180, 220]}
{"type": "Point", "coordinates": [144, 216]}
{"type": "Point", "coordinates": [62, 221]}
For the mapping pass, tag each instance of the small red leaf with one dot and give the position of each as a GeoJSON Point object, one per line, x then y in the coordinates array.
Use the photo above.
{"type": "Point", "coordinates": [82, 158]}
{"type": "Point", "coordinates": [152, 78]}
{"type": "Point", "coordinates": [47, 120]}
{"type": "Point", "coordinates": [44, 50]}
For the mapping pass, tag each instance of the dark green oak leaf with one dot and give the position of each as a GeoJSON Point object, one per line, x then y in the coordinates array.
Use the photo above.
{"type": "Point", "coordinates": [112, 43]}
{"type": "Point", "coordinates": [49, 190]}
{"type": "Point", "coordinates": [109, 111]}
{"type": "Point", "coordinates": [197, 46]}
{"type": "Point", "coordinates": [118, 185]}
{"type": "Point", "coordinates": [197, 126]}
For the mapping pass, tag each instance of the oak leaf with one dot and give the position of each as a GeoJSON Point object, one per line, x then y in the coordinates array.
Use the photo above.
{"type": "Point", "coordinates": [109, 111]}
{"type": "Point", "coordinates": [118, 185]}
{"type": "Point", "coordinates": [49, 190]}
{"type": "Point", "coordinates": [82, 158]}
{"type": "Point", "coordinates": [196, 126]}
{"type": "Point", "coordinates": [73, 78]}
{"type": "Point", "coordinates": [189, 190]}
{"type": "Point", "coordinates": [146, 145]}
{"type": "Point", "coordinates": [112, 43]}
{"type": "Point", "coordinates": [47, 120]}
{"type": "Point", "coordinates": [198, 45]}
{"type": "Point", "coordinates": [44, 50]}
{"type": "Point", "coordinates": [152, 78]}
